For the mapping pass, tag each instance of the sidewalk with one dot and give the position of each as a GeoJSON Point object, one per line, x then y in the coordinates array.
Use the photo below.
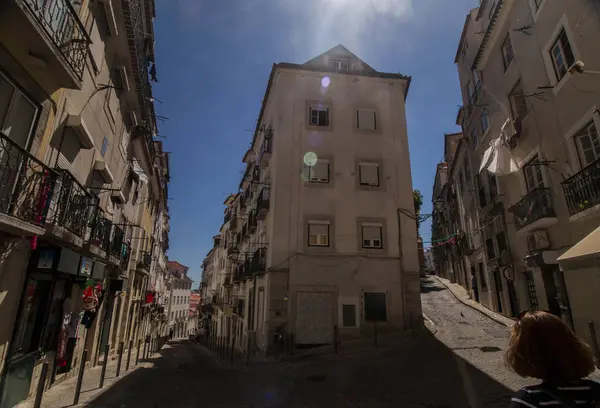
{"type": "Point", "coordinates": [62, 395]}
{"type": "Point", "coordinates": [463, 296]}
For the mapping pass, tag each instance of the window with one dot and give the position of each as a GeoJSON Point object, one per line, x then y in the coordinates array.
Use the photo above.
{"type": "Point", "coordinates": [104, 146]}
{"type": "Point", "coordinates": [467, 172]}
{"type": "Point", "coordinates": [489, 246]}
{"type": "Point", "coordinates": [124, 142]}
{"type": "Point", "coordinates": [477, 82]}
{"type": "Point", "coordinates": [372, 236]}
{"type": "Point", "coordinates": [501, 241]}
{"type": "Point", "coordinates": [319, 116]}
{"type": "Point", "coordinates": [470, 94]}
{"type": "Point", "coordinates": [465, 48]}
{"type": "Point", "coordinates": [349, 315]}
{"type": "Point", "coordinates": [319, 172]}
{"type": "Point", "coordinates": [485, 121]}
{"type": "Point", "coordinates": [518, 102]}
{"type": "Point", "coordinates": [562, 55]}
{"type": "Point", "coordinates": [492, 181]}
{"type": "Point", "coordinates": [507, 51]}
{"type": "Point", "coordinates": [482, 279]}
{"type": "Point", "coordinates": [366, 120]}
{"type": "Point", "coordinates": [368, 174]}
{"type": "Point", "coordinates": [318, 233]}
{"type": "Point", "coordinates": [17, 113]}
{"type": "Point", "coordinates": [588, 144]}
{"type": "Point", "coordinates": [340, 64]}
{"type": "Point", "coordinates": [533, 174]}
{"type": "Point", "coordinates": [375, 307]}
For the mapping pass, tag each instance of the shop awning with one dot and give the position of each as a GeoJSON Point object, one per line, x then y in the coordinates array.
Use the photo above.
{"type": "Point", "coordinates": [588, 246]}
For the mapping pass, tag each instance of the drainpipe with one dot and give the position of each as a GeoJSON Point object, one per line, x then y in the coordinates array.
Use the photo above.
{"type": "Point", "coordinates": [402, 281]}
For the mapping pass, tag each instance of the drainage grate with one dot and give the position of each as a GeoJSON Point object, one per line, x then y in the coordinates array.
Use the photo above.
{"type": "Point", "coordinates": [490, 349]}
{"type": "Point", "coordinates": [183, 366]}
{"type": "Point", "coordinates": [316, 378]}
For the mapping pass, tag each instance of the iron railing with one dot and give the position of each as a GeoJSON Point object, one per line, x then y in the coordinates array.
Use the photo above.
{"type": "Point", "coordinates": [125, 254]}
{"type": "Point", "coordinates": [26, 184]}
{"type": "Point", "coordinates": [72, 206]}
{"type": "Point", "coordinates": [582, 190]}
{"type": "Point", "coordinates": [262, 202]}
{"type": "Point", "coordinates": [259, 261]}
{"type": "Point", "coordinates": [267, 145]}
{"type": "Point", "coordinates": [252, 222]}
{"type": "Point", "coordinates": [59, 21]}
{"type": "Point", "coordinates": [536, 204]}
{"type": "Point", "coordinates": [100, 230]}
{"type": "Point", "coordinates": [116, 243]}
{"type": "Point", "coordinates": [145, 259]}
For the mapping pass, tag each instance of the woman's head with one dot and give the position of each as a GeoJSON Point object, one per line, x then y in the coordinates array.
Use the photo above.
{"type": "Point", "coordinates": [542, 346]}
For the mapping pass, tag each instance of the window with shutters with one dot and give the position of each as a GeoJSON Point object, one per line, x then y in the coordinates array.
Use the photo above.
{"type": "Point", "coordinates": [319, 172]}
{"type": "Point", "coordinates": [17, 113]}
{"type": "Point", "coordinates": [562, 55]}
{"type": "Point", "coordinates": [485, 121]}
{"type": "Point", "coordinates": [507, 52]}
{"type": "Point", "coordinates": [318, 233]}
{"type": "Point", "coordinates": [518, 102]}
{"type": "Point", "coordinates": [588, 144]}
{"type": "Point", "coordinates": [366, 120]}
{"type": "Point", "coordinates": [368, 174]}
{"type": "Point", "coordinates": [533, 174]}
{"type": "Point", "coordinates": [319, 115]}
{"type": "Point", "coordinates": [371, 235]}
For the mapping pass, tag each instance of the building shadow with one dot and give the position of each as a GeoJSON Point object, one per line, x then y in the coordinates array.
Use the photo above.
{"type": "Point", "coordinates": [428, 285]}
{"type": "Point", "coordinates": [423, 373]}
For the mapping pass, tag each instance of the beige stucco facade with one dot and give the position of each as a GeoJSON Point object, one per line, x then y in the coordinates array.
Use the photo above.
{"type": "Point", "coordinates": [523, 67]}
{"type": "Point", "coordinates": [316, 240]}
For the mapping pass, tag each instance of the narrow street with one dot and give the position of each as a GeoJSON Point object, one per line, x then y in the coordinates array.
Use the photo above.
{"type": "Point", "coordinates": [459, 366]}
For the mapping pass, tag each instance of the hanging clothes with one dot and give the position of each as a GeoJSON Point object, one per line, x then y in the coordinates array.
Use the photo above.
{"type": "Point", "coordinates": [498, 158]}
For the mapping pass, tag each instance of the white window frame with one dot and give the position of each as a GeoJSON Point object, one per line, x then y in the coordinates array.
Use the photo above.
{"type": "Point", "coordinates": [513, 106]}
{"type": "Point", "coordinates": [507, 57]}
{"type": "Point", "coordinates": [585, 131]}
{"type": "Point", "coordinates": [563, 23]}
{"type": "Point", "coordinates": [340, 64]}
{"type": "Point", "coordinates": [319, 236]}
{"type": "Point", "coordinates": [319, 109]}
{"type": "Point", "coordinates": [369, 164]}
{"type": "Point", "coordinates": [592, 114]}
{"type": "Point", "coordinates": [536, 9]}
{"type": "Point", "coordinates": [11, 110]}
{"type": "Point", "coordinates": [372, 244]}
{"type": "Point", "coordinates": [358, 112]}
{"type": "Point", "coordinates": [311, 169]}
{"type": "Point", "coordinates": [485, 113]}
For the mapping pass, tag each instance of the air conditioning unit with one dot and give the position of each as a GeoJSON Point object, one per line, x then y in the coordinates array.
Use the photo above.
{"type": "Point", "coordinates": [538, 240]}
{"type": "Point", "coordinates": [133, 119]}
{"type": "Point", "coordinates": [110, 17]}
{"type": "Point", "coordinates": [124, 78]}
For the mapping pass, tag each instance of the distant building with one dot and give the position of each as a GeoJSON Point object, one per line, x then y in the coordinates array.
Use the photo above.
{"type": "Point", "coordinates": [179, 299]}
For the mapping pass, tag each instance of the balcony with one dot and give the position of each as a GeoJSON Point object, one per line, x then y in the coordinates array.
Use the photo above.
{"type": "Point", "coordinates": [266, 148]}
{"type": "Point", "coordinates": [53, 35]}
{"type": "Point", "coordinates": [262, 203]}
{"type": "Point", "coordinates": [125, 254]}
{"type": "Point", "coordinates": [227, 217]}
{"type": "Point", "coordinates": [227, 281]}
{"type": "Point", "coordinates": [100, 228]}
{"type": "Point", "coordinates": [233, 224]}
{"type": "Point", "coordinates": [535, 211]}
{"type": "Point", "coordinates": [258, 264]}
{"type": "Point", "coordinates": [232, 251]}
{"type": "Point", "coordinates": [252, 222]}
{"type": "Point", "coordinates": [26, 184]}
{"type": "Point", "coordinates": [144, 261]}
{"type": "Point", "coordinates": [582, 190]}
{"type": "Point", "coordinates": [71, 208]}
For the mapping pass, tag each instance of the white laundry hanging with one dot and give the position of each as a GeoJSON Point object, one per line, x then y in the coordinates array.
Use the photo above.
{"type": "Point", "coordinates": [498, 158]}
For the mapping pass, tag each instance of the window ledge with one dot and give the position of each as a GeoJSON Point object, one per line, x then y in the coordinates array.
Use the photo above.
{"type": "Point", "coordinates": [559, 85]}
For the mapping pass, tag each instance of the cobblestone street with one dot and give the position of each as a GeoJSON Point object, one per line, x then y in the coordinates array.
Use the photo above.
{"type": "Point", "coordinates": [459, 365]}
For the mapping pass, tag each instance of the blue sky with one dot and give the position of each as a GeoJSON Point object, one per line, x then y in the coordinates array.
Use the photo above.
{"type": "Point", "coordinates": [213, 62]}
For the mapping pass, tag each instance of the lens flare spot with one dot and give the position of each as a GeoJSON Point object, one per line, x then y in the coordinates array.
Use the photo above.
{"type": "Point", "coordinates": [325, 81]}
{"type": "Point", "coordinates": [310, 158]}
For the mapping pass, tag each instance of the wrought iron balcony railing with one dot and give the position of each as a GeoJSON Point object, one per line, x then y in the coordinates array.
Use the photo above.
{"type": "Point", "coordinates": [582, 190]}
{"type": "Point", "coordinates": [259, 261]}
{"type": "Point", "coordinates": [60, 23]}
{"type": "Point", "coordinates": [227, 217]}
{"type": "Point", "coordinates": [125, 254]}
{"type": "Point", "coordinates": [145, 259]}
{"type": "Point", "coordinates": [26, 184]}
{"type": "Point", "coordinates": [100, 230]}
{"type": "Point", "coordinates": [262, 203]}
{"type": "Point", "coordinates": [534, 206]}
{"type": "Point", "coordinates": [72, 206]}
{"type": "Point", "coordinates": [252, 222]}
{"type": "Point", "coordinates": [116, 243]}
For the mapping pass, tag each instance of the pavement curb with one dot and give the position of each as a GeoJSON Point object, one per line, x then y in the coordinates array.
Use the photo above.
{"type": "Point", "coordinates": [489, 314]}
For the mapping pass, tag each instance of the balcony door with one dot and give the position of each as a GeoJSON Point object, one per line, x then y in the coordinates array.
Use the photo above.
{"type": "Point", "coordinates": [533, 175]}
{"type": "Point", "coordinates": [588, 145]}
